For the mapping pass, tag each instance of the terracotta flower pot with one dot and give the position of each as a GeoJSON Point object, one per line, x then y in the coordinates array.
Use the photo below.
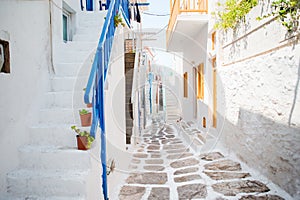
{"type": "Point", "coordinates": [86, 119]}
{"type": "Point", "coordinates": [89, 105]}
{"type": "Point", "coordinates": [82, 142]}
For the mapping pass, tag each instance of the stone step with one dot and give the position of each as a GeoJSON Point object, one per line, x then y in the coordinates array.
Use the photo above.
{"type": "Point", "coordinates": [58, 116]}
{"type": "Point", "coordinates": [94, 30]}
{"type": "Point", "coordinates": [174, 111]}
{"type": "Point", "coordinates": [58, 84]}
{"type": "Point", "coordinates": [64, 99]}
{"type": "Point", "coordinates": [172, 105]}
{"type": "Point", "coordinates": [91, 18]}
{"type": "Point", "coordinates": [78, 45]}
{"type": "Point", "coordinates": [86, 37]}
{"type": "Point", "coordinates": [71, 183]}
{"type": "Point", "coordinates": [35, 157]}
{"type": "Point", "coordinates": [73, 56]}
{"type": "Point", "coordinates": [52, 135]}
{"type": "Point", "coordinates": [67, 69]}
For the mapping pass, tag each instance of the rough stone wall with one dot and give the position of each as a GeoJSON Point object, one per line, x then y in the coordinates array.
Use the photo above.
{"type": "Point", "coordinates": [262, 125]}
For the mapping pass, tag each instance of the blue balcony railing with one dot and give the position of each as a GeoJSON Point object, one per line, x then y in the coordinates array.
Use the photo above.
{"type": "Point", "coordinates": [97, 77]}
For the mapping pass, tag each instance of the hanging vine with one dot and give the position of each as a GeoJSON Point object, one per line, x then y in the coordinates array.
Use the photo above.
{"type": "Point", "coordinates": [287, 12]}
{"type": "Point", "coordinates": [232, 12]}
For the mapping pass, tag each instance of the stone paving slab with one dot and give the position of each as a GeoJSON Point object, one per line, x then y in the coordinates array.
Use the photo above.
{"type": "Point", "coordinates": [164, 168]}
{"type": "Point", "coordinates": [211, 156]}
{"type": "Point", "coordinates": [140, 155]}
{"type": "Point", "coordinates": [264, 197]}
{"type": "Point", "coordinates": [174, 146]}
{"type": "Point", "coordinates": [226, 175]}
{"type": "Point", "coordinates": [155, 155]}
{"type": "Point", "coordinates": [159, 193]}
{"type": "Point", "coordinates": [191, 191]}
{"type": "Point", "coordinates": [154, 168]}
{"type": "Point", "coordinates": [153, 147]}
{"type": "Point", "coordinates": [154, 161]}
{"type": "Point", "coordinates": [178, 150]}
{"type": "Point", "coordinates": [147, 178]}
{"type": "Point", "coordinates": [225, 165]}
{"type": "Point", "coordinates": [235, 187]}
{"type": "Point", "coordinates": [186, 170]}
{"type": "Point", "coordinates": [135, 161]}
{"type": "Point", "coordinates": [187, 178]}
{"type": "Point", "coordinates": [178, 156]}
{"type": "Point", "coordinates": [131, 193]}
{"type": "Point", "coordinates": [184, 163]}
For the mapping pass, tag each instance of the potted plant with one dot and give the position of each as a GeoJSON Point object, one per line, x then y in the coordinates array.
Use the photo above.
{"type": "Point", "coordinates": [89, 105]}
{"type": "Point", "coordinates": [85, 117]}
{"type": "Point", "coordinates": [84, 139]}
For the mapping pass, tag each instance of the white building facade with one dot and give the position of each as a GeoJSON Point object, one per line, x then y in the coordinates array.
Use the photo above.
{"type": "Point", "coordinates": [240, 87]}
{"type": "Point", "coordinates": [51, 46]}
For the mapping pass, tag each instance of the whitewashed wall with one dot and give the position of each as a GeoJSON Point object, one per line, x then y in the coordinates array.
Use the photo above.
{"type": "Point", "coordinates": [115, 120]}
{"type": "Point", "coordinates": [26, 25]}
{"type": "Point", "coordinates": [261, 98]}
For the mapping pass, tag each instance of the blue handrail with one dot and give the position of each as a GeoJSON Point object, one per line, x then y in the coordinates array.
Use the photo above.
{"type": "Point", "coordinates": [97, 77]}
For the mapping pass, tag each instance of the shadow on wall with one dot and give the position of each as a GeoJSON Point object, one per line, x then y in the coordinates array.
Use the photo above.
{"type": "Point", "coordinates": [295, 95]}
{"type": "Point", "coordinates": [267, 146]}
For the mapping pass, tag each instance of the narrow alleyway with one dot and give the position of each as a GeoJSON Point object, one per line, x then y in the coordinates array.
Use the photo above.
{"type": "Point", "coordinates": [163, 167]}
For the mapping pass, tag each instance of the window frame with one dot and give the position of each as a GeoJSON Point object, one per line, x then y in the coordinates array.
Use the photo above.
{"type": "Point", "coordinates": [200, 81]}
{"type": "Point", "coordinates": [185, 85]}
{"type": "Point", "coordinates": [213, 40]}
{"type": "Point", "coordinates": [68, 17]}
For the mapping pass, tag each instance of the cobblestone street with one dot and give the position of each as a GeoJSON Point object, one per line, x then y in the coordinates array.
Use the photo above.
{"type": "Point", "coordinates": [163, 167]}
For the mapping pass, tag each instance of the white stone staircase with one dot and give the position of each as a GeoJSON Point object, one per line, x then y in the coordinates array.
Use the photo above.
{"type": "Point", "coordinates": [173, 107]}
{"type": "Point", "coordinates": [194, 137]}
{"type": "Point", "coordinates": [50, 166]}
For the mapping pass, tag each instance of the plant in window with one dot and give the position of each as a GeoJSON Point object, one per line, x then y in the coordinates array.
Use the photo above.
{"type": "Point", "coordinates": [118, 20]}
{"type": "Point", "coordinates": [287, 12]}
{"type": "Point", "coordinates": [232, 12]}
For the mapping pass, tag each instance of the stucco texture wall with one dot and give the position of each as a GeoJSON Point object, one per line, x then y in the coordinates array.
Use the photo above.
{"type": "Point", "coordinates": [26, 23]}
{"type": "Point", "coordinates": [262, 125]}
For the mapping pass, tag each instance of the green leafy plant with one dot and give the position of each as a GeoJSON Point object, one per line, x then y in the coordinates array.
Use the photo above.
{"type": "Point", "coordinates": [118, 20]}
{"type": "Point", "coordinates": [83, 112]}
{"type": "Point", "coordinates": [90, 139]}
{"type": "Point", "coordinates": [232, 12]}
{"type": "Point", "coordinates": [287, 12]}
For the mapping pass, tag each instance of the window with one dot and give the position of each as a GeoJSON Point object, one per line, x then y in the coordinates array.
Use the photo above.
{"type": "Point", "coordinates": [200, 81]}
{"type": "Point", "coordinates": [204, 122]}
{"type": "Point", "coordinates": [4, 57]}
{"type": "Point", "coordinates": [185, 84]}
{"type": "Point", "coordinates": [213, 41]}
{"type": "Point", "coordinates": [130, 45]}
{"type": "Point", "coordinates": [68, 22]}
{"type": "Point", "coordinates": [66, 27]}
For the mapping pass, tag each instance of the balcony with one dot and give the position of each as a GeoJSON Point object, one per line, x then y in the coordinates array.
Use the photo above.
{"type": "Point", "coordinates": [187, 17]}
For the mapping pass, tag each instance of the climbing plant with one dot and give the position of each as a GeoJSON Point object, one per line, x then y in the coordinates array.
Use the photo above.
{"type": "Point", "coordinates": [287, 12]}
{"type": "Point", "coordinates": [118, 20]}
{"type": "Point", "coordinates": [232, 12]}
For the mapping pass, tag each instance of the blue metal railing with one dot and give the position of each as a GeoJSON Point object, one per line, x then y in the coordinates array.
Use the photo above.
{"type": "Point", "coordinates": [97, 77]}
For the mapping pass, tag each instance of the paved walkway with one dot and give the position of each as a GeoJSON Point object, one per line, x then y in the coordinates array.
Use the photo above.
{"type": "Point", "coordinates": [163, 167]}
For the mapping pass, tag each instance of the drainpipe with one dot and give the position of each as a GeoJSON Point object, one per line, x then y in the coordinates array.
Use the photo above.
{"type": "Point", "coordinates": [51, 38]}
